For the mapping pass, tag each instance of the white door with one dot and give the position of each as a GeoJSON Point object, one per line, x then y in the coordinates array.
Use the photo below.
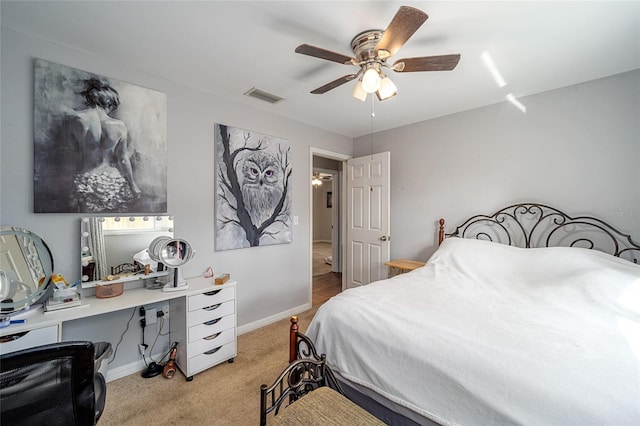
{"type": "Point", "coordinates": [368, 219]}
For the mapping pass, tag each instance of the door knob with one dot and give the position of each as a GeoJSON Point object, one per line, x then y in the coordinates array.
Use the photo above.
{"type": "Point", "coordinates": [384, 238]}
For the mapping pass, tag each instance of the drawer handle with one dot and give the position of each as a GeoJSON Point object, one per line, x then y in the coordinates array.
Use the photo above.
{"type": "Point", "coordinates": [212, 351]}
{"type": "Point", "coordinates": [12, 337]}
{"type": "Point", "coordinates": [213, 336]}
{"type": "Point", "coordinates": [212, 293]}
{"type": "Point", "coordinates": [212, 321]}
{"type": "Point", "coordinates": [212, 307]}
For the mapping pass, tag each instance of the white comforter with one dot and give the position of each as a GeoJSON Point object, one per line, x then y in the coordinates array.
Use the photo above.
{"type": "Point", "coordinates": [491, 334]}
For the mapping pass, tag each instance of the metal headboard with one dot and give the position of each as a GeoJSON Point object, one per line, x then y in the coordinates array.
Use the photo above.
{"type": "Point", "coordinates": [530, 225]}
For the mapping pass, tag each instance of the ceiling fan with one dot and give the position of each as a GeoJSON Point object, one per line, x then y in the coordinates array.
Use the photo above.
{"type": "Point", "coordinates": [372, 49]}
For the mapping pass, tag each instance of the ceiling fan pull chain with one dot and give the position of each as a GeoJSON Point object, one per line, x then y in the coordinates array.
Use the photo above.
{"type": "Point", "coordinates": [373, 115]}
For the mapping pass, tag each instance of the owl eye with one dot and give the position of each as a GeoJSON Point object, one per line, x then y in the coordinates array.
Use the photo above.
{"type": "Point", "coordinates": [254, 171]}
{"type": "Point", "coordinates": [269, 173]}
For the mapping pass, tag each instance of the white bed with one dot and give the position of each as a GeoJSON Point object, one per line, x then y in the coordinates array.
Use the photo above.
{"type": "Point", "coordinates": [487, 333]}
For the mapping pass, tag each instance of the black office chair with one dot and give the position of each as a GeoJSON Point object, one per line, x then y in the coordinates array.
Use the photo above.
{"type": "Point", "coordinates": [56, 384]}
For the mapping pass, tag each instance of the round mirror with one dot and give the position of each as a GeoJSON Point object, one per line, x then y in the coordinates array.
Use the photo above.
{"type": "Point", "coordinates": [26, 266]}
{"type": "Point", "coordinates": [173, 252]}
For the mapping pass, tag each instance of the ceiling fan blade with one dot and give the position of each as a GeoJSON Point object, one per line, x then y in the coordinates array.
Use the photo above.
{"type": "Point", "coordinates": [318, 52]}
{"type": "Point", "coordinates": [406, 22]}
{"type": "Point", "coordinates": [427, 63]}
{"type": "Point", "coordinates": [335, 83]}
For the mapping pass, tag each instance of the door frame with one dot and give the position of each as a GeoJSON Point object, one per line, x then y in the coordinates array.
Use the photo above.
{"type": "Point", "coordinates": [336, 178]}
{"type": "Point", "coordinates": [319, 152]}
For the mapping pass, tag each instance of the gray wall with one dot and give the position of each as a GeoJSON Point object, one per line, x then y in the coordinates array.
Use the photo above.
{"type": "Point", "coordinates": [271, 279]}
{"type": "Point", "coordinates": [321, 213]}
{"type": "Point", "coordinates": [576, 148]}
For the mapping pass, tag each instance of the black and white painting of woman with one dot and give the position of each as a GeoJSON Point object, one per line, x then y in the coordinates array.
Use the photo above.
{"type": "Point", "coordinates": [100, 144]}
{"type": "Point", "coordinates": [253, 192]}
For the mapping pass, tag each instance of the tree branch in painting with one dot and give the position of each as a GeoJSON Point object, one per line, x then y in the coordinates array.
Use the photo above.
{"type": "Point", "coordinates": [253, 187]}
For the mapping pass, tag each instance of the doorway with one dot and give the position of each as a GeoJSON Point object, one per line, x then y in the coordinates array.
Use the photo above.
{"type": "Point", "coordinates": [327, 216]}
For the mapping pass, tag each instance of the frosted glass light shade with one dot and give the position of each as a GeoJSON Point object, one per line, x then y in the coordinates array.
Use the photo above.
{"type": "Point", "coordinates": [387, 89]}
{"type": "Point", "coordinates": [358, 92]}
{"type": "Point", "coordinates": [371, 80]}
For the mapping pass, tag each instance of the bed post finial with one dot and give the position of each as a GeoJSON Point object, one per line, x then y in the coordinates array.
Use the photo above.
{"type": "Point", "coordinates": [441, 232]}
{"type": "Point", "coordinates": [293, 338]}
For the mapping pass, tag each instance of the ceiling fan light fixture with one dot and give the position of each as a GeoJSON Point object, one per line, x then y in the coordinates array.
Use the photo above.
{"type": "Point", "coordinates": [387, 89]}
{"type": "Point", "coordinates": [359, 92]}
{"type": "Point", "coordinates": [316, 179]}
{"type": "Point", "coordinates": [371, 80]}
{"type": "Point", "coordinates": [372, 48]}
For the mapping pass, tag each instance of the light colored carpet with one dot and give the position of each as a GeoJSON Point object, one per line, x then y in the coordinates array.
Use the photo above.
{"type": "Point", "coordinates": [321, 251]}
{"type": "Point", "coordinates": [227, 394]}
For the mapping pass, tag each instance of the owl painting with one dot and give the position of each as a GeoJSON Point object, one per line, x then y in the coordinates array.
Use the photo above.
{"type": "Point", "coordinates": [253, 201]}
{"type": "Point", "coordinates": [262, 186]}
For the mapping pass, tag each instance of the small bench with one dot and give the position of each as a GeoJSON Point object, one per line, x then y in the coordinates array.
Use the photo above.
{"type": "Point", "coordinates": [324, 406]}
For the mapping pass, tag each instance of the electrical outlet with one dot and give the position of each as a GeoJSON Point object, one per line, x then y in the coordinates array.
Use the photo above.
{"type": "Point", "coordinates": [165, 309]}
{"type": "Point", "coordinates": [151, 316]}
{"type": "Point", "coordinates": [142, 348]}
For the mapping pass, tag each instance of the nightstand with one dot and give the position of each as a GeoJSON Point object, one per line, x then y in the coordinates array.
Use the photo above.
{"type": "Point", "coordinates": [399, 266]}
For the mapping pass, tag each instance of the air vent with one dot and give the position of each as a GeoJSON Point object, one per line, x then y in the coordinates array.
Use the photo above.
{"type": "Point", "coordinates": [263, 96]}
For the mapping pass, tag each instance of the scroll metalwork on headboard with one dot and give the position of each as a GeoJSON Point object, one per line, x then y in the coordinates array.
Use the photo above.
{"type": "Point", "coordinates": [302, 347]}
{"type": "Point", "coordinates": [530, 225]}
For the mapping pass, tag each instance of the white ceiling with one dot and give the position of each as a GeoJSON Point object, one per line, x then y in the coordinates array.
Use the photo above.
{"type": "Point", "coordinates": [228, 47]}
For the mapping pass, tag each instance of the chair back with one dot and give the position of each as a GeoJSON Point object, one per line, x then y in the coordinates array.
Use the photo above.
{"type": "Point", "coordinates": [50, 385]}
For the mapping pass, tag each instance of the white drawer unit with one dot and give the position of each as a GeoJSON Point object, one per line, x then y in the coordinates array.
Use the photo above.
{"type": "Point", "coordinates": [28, 339]}
{"type": "Point", "coordinates": [204, 325]}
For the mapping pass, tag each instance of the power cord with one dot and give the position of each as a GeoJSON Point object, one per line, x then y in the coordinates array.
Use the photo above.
{"type": "Point", "coordinates": [143, 324]}
{"type": "Point", "coordinates": [162, 321]}
{"type": "Point", "coordinates": [115, 351]}
{"type": "Point", "coordinates": [156, 340]}
{"type": "Point", "coordinates": [160, 360]}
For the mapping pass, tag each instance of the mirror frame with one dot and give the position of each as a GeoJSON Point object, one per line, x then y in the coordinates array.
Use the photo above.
{"type": "Point", "coordinates": [92, 242]}
{"type": "Point", "coordinates": [36, 252]}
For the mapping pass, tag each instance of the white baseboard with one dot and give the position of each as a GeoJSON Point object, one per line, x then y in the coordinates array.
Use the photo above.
{"type": "Point", "coordinates": [138, 366]}
{"type": "Point", "coordinates": [273, 318]}
{"type": "Point", "coordinates": [127, 369]}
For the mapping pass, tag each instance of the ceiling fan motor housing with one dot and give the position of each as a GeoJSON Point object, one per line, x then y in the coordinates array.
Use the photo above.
{"type": "Point", "coordinates": [364, 44]}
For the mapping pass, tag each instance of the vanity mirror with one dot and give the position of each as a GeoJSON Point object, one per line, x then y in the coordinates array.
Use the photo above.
{"type": "Point", "coordinates": [26, 266]}
{"type": "Point", "coordinates": [115, 248]}
{"type": "Point", "coordinates": [172, 253]}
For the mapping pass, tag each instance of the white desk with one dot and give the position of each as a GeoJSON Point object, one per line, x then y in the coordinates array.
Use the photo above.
{"type": "Point", "coordinates": [46, 327]}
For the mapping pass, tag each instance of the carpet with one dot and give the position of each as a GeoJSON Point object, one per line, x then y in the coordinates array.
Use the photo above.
{"type": "Point", "coordinates": [227, 394]}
